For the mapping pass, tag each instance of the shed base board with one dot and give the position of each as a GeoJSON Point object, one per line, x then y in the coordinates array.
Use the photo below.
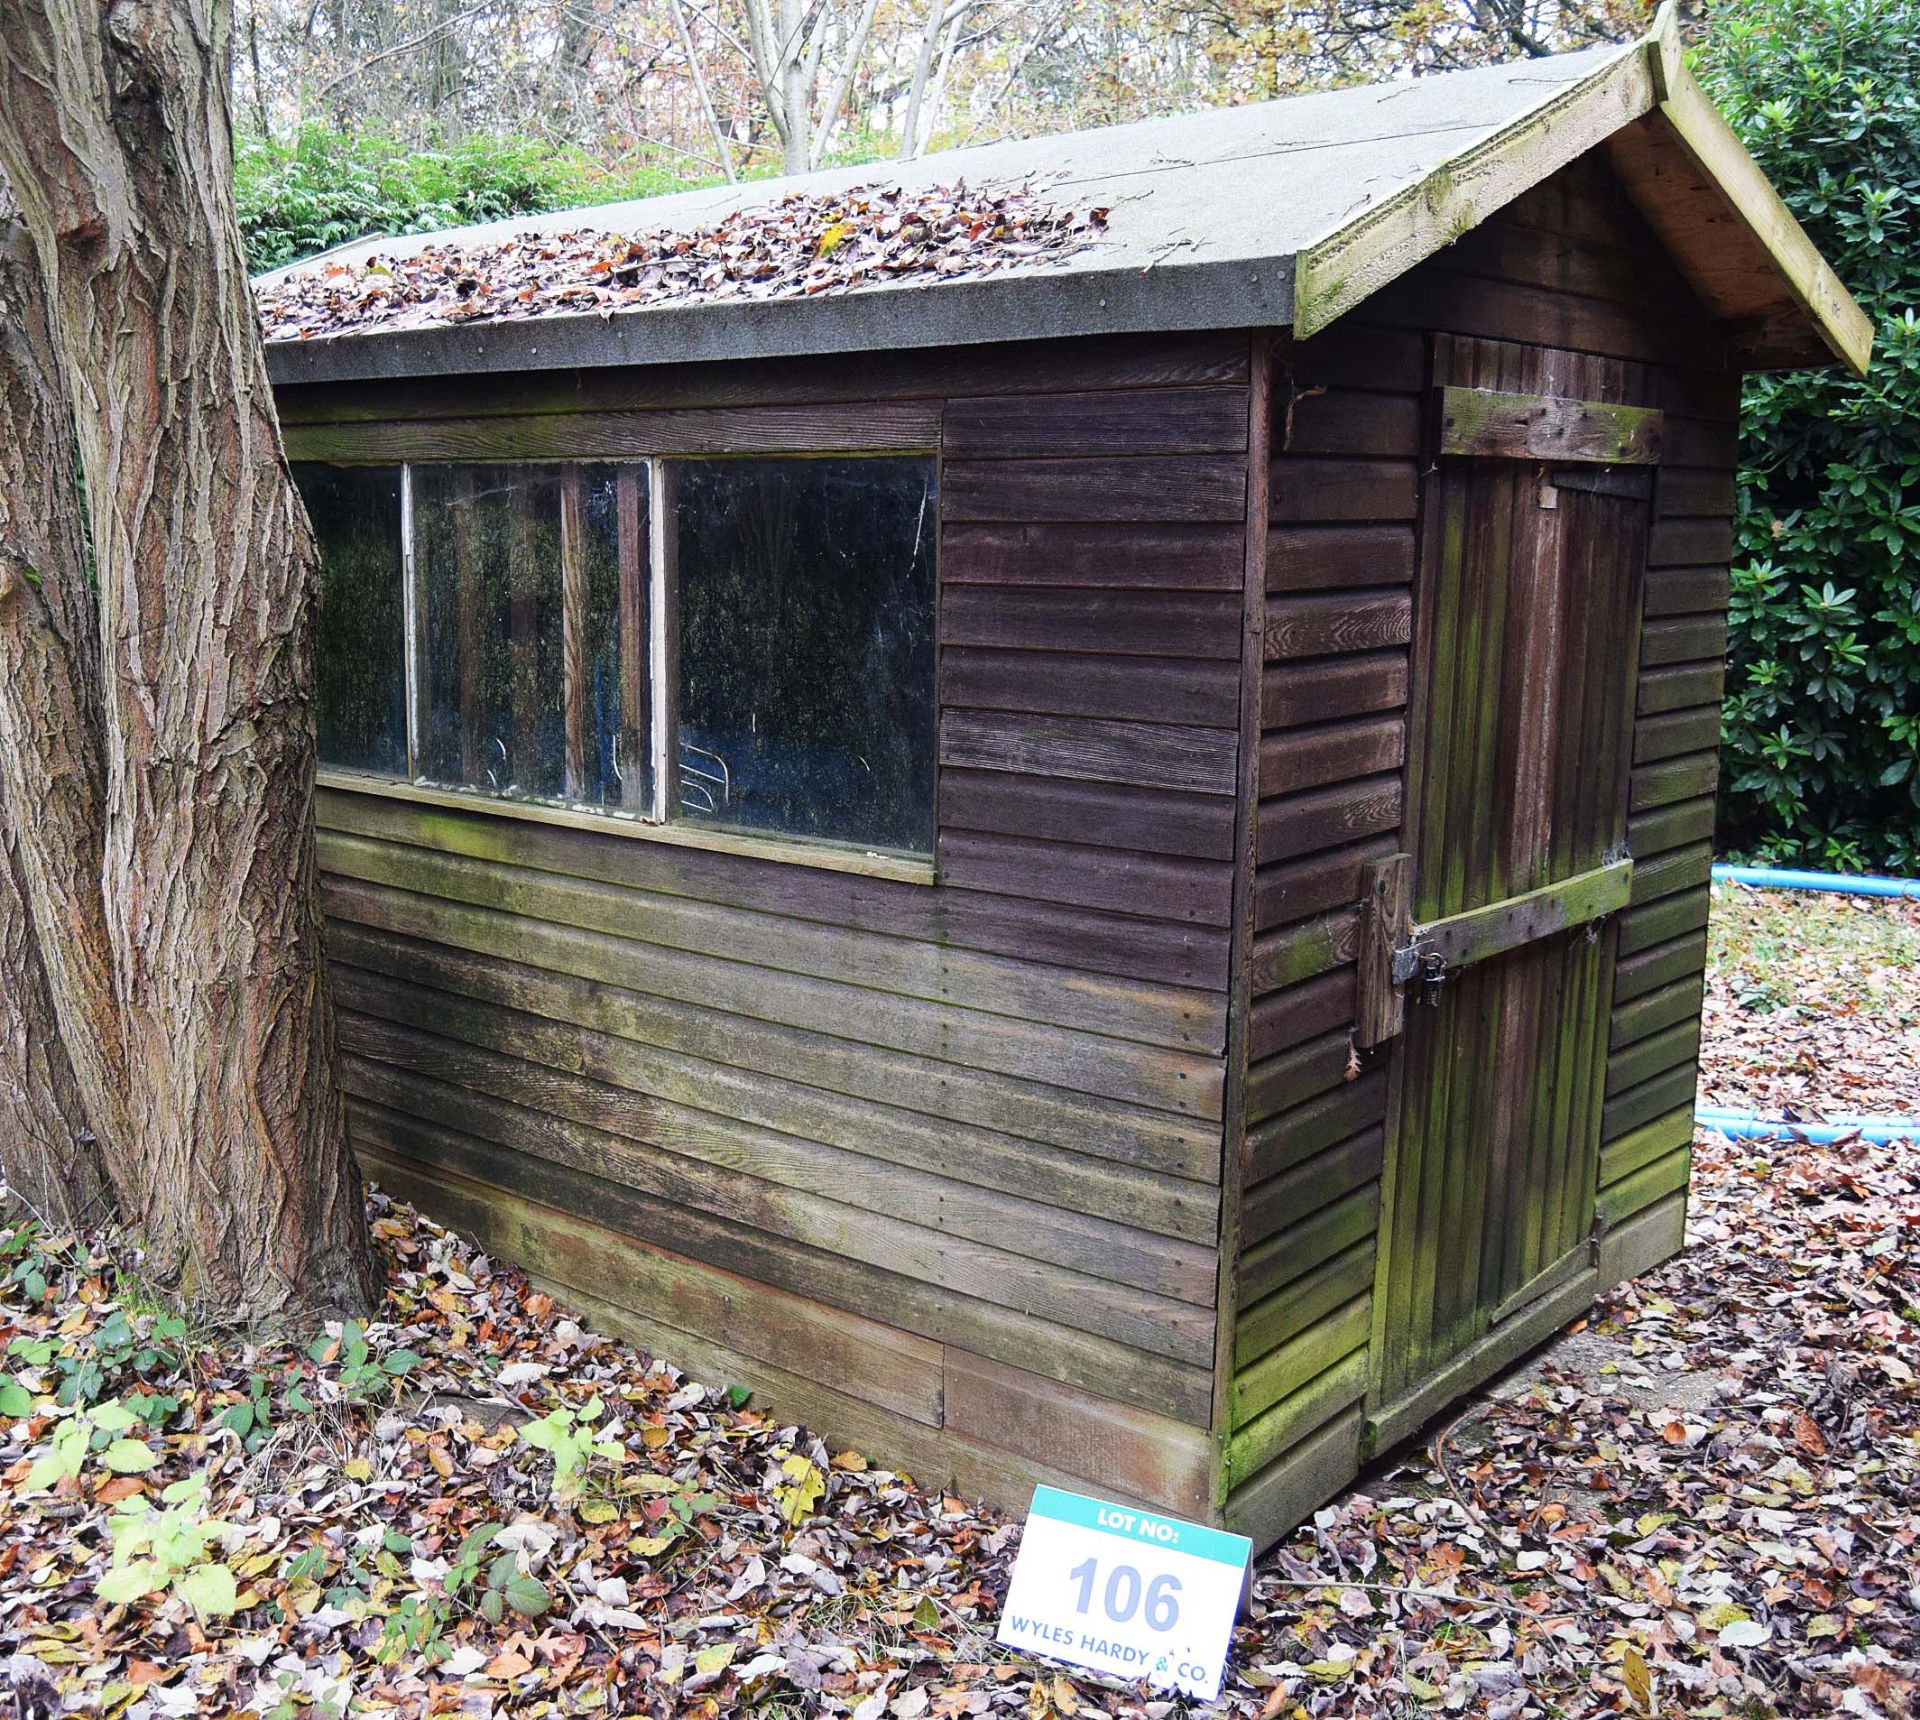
{"type": "Point", "coordinates": [1174, 1461]}
{"type": "Point", "coordinates": [1297, 1482]}
{"type": "Point", "coordinates": [1388, 1425]}
{"type": "Point", "coordinates": [1643, 1241]}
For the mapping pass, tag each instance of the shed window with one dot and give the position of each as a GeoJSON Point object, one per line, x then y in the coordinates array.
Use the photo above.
{"type": "Point", "coordinates": [360, 677]}
{"type": "Point", "coordinates": [745, 644]}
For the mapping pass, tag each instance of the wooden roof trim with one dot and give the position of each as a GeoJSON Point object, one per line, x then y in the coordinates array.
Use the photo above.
{"type": "Point", "coordinates": [1338, 272]}
{"type": "Point", "coordinates": [1696, 126]}
{"type": "Point", "coordinates": [1653, 111]}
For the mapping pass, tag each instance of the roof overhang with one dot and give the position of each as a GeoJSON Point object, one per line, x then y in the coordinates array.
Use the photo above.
{"type": "Point", "coordinates": [1704, 196]}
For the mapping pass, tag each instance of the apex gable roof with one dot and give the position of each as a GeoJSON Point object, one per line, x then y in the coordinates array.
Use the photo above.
{"type": "Point", "coordinates": [1283, 213]}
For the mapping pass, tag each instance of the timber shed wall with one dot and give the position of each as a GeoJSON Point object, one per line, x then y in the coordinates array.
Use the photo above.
{"type": "Point", "coordinates": [1565, 290]}
{"type": "Point", "coordinates": [938, 1167]}
{"type": "Point", "coordinates": [934, 1168]}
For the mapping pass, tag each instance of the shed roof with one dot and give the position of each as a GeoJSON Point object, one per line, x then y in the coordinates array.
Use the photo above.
{"type": "Point", "coordinates": [1281, 213]}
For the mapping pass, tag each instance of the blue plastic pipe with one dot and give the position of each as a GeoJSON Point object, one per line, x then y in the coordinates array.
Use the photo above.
{"type": "Point", "coordinates": [1839, 883]}
{"type": "Point", "coordinates": [1746, 1126]}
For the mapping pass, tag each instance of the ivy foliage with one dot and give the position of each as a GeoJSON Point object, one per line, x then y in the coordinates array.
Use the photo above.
{"type": "Point", "coordinates": [1821, 760]}
{"type": "Point", "coordinates": [328, 187]}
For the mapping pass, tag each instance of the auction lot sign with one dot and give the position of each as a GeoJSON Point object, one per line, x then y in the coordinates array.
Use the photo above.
{"type": "Point", "coordinates": [1125, 1591]}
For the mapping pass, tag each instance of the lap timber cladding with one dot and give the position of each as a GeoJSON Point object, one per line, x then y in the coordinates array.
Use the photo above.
{"type": "Point", "coordinates": [1564, 292]}
{"type": "Point", "coordinates": [1063, 1167]}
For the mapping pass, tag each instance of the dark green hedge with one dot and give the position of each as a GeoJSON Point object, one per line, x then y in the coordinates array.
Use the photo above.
{"type": "Point", "coordinates": [1822, 725]}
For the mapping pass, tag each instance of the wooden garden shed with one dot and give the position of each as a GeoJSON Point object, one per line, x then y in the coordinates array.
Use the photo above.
{"type": "Point", "coordinates": [1095, 873]}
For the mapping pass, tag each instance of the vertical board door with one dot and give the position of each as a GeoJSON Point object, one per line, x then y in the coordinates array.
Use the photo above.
{"type": "Point", "coordinates": [1528, 622]}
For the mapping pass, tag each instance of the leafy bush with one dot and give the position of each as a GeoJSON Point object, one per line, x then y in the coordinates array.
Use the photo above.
{"type": "Point", "coordinates": [330, 187]}
{"type": "Point", "coordinates": [1822, 732]}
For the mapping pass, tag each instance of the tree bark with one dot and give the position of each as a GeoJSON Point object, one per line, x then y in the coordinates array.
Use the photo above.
{"type": "Point", "coordinates": [48, 1155]}
{"type": "Point", "coordinates": [61, 1062]}
{"type": "Point", "coordinates": [115, 133]}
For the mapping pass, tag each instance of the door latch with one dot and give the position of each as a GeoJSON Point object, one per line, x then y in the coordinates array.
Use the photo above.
{"type": "Point", "coordinates": [1433, 975]}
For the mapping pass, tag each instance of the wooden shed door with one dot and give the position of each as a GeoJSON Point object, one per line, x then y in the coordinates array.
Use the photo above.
{"type": "Point", "coordinates": [1529, 612]}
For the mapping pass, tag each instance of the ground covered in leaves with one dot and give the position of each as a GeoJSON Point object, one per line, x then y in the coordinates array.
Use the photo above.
{"type": "Point", "coordinates": [801, 245]}
{"type": "Point", "coordinates": [1704, 1502]}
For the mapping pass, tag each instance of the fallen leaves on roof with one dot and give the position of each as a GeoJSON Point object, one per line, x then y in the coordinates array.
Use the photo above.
{"type": "Point", "coordinates": [802, 245]}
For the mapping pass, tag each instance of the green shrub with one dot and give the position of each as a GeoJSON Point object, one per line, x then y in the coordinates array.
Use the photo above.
{"type": "Point", "coordinates": [1822, 725]}
{"type": "Point", "coordinates": [329, 187]}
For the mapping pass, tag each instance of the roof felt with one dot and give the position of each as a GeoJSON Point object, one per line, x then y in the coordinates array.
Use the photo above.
{"type": "Point", "coordinates": [1207, 213]}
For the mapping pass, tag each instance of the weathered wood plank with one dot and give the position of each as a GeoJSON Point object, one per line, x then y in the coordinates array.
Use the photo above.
{"type": "Point", "coordinates": [1686, 590]}
{"type": "Point", "coordinates": [1300, 758]}
{"type": "Point", "coordinates": [1147, 1456]}
{"type": "Point", "coordinates": [1116, 621]}
{"type": "Point", "coordinates": [1293, 1418]}
{"type": "Point", "coordinates": [1104, 421]}
{"type": "Point", "coordinates": [1357, 353]}
{"type": "Point", "coordinates": [1287, 957]}
{"type": "Point", "coordinates": [674, 935]}
{"type": "Point", "coordinates": [1134, 1196]}
{"type": "Point", "coordinates": [659, 1143]}
{"type": "Point", "coordinates": [1284, 1369]}
{"type": "Point", "coordinates": [1281, 1019]}
{"type": "Point", "coordinates": [1325, 689]}
{"type": "Point", "coordinates": [420, 1111]}
{"type": "Point", "coordinates": [1328, 817]}
{"type": "Point", "coordinates": [1126, 1135]}
{"type": "Point", "coordinates": [1686, 686]}
{"type": "Point", "coordinates": [1296, 1195]}
{"type": "Point", "coordinates": [1681, 868]}
{"type": "Point", "coordinates": [1002, 1044]}
{"type": "Point", "coordinates": [854, 379]}
{"type": "Point", "coordinates": [1118, 880]}
{"type": "Point", "coordinates": [1386, 925]}
{"type": "Point", "coordinates": [864, 427]}
{"type": "Point", "coordinates": [1201, 691]}
{"type": "Point", "coordinates": [1149, 556]}
{"type": "Point", "coordinates": [1669, 1006]}
{"type": "Point", "coordinates": [1064, 935]}
{"type": "Point", "coordinates": [1169, 488]}
{"type": "Point", "coordinates": [435, 1159]}
{"type": "Point", "coordinates": [1678, 732]}
{"type": "Point", "coordinates": [1327, 558]}
{"type": "Point", "coordinates": [1148, 820]}
{"type": "Point", "coordinates": [1297, 1075]}
{"type": "Point", "coordinates": [1683, 639]}
{"type": "Point", "coordinates": [1666, 827]}
{"type": "Point", "coordinates": [1322, 880]}
{"type": "Point", "coordinates": [1662, 781]}
{"type": "Point", "coordinates": [1279, 1143]}
{"type": "Point", "coordinates": [1306, 488]}
{"type": "Point", "coordinates": [1320, 626]}
{"type": "Point", "coordinates": [1268, 1269]}
{"type": "Point", "coordinates": [1659, 965]}
{"type": "Point", "coordinates": [1346, 421]}
{"type": "Point", "coordinates": [1494, 423]}
{"type": "Point", "coordinates": [1150, 755]}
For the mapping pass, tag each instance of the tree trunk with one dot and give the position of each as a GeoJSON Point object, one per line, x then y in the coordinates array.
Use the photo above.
{"type": "Point", "coordinates": [115, 133]}
{"type": "Point", "coordinates": [62, 1059]}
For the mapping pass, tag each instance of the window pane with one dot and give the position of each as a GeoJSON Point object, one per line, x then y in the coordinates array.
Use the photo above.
{"type": "Point", "coordinates": [806, 647]}
{"type": "Point", "coordinates": [359, 644]}
{"type": "Point", "coordinates": [524, 687]}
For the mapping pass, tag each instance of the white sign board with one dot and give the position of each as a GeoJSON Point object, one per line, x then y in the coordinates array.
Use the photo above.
{"type": "Point", "coordinates": [1125, 1591]}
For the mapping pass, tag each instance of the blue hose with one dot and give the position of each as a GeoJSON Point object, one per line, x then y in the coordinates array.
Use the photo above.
{"type": "Point", "coordinates": [1746, 1126]}
{"type": "Point", "coordinates": [1839, 883]}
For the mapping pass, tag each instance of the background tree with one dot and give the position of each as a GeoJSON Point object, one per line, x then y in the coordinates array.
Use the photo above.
{"type": "Point", "coordinates": [1822, 741]}
{"type": "Point", "coordinates": [229, 1147]}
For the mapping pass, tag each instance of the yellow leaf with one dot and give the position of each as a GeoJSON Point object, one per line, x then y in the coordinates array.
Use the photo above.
{"type": "Point", "coordinates": [358, 1469]}
{"type": "Point", "coordinates": [833, 238]}
{"type": "Point", "coordinates": [598, 1511]}
{"type": "Point", "coordinates": [1633, 1667]}
{"type": "Point", "coordinates": [715, 1659]}
{"type": "Point", "coordinates": [649, 1546]}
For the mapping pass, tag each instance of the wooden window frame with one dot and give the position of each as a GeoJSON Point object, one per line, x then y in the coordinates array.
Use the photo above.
{"type": "Point", "coordinates": [659, 667]}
